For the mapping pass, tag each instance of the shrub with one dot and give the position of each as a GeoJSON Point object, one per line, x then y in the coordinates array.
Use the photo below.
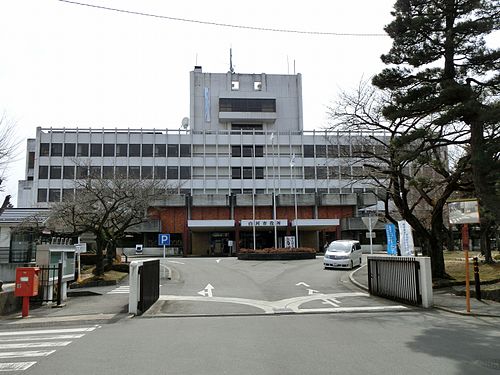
{"type": "Point", "coordinates": [280, 250]}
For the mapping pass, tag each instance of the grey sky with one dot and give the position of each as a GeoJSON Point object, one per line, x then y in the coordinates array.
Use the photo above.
{"type": "Point", "coordinates": [64, 65]}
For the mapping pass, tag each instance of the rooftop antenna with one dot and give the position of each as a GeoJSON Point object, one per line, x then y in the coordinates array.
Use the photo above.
{"type": "Point", "coordinates": [231, 69]}
{"type": "Point", "coordinates": [196, 61]}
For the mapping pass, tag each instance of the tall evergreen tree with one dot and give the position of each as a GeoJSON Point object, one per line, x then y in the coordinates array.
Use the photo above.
{"type": "Point", "coordinates": [441, 66]}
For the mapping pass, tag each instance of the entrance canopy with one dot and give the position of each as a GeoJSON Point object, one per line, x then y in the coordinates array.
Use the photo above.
{"type": "Point", "coordinates": [210, 225]}
{"type": "Point", "coordinates": [315, 224]}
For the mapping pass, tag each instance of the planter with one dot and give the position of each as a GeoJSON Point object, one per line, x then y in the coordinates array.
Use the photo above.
{"type": "Point", "coordinates": [276, 256]}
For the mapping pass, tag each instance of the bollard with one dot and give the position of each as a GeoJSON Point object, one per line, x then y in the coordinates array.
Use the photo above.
{"type": "Point", "coordinates": [477, 282]}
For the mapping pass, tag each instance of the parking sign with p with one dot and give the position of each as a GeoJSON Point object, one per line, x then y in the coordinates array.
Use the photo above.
{"type": "Point", "coordinates": [164, 239]}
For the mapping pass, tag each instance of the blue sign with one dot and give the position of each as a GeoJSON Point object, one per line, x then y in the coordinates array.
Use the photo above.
{"type": "Point", "coordinates": [164, 239]}
{"type": "Point", "coordinates": [392, 242]}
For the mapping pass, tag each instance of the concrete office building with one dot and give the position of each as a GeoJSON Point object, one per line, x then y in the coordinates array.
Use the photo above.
{"type": "Point", "coordinates": [244, 158]}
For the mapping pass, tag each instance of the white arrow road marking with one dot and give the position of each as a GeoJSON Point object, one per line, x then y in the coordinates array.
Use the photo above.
{"type": "Point", "coordinates": [303, 284]}
{"type": "Point", "coordinates": [218, 260]}
{"type": "Point", "coordinates": [29, 353]}
{"type": "Point", "coordinates": [16, 366]}
{"type": "Point", "coordinates": [43, 344]}
{"type": "Point", "coordinates": [207, 292]}
{"type": "Point", "coordinates": [312, 291]}
{"type": "Point", "coordinates": [47, 331]}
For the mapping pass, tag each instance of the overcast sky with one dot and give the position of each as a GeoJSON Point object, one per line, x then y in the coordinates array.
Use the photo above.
{"type": "Point", "coordinates": [67, 65]}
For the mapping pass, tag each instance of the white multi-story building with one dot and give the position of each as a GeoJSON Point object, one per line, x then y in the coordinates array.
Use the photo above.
{"type": "Point", "coordinates": [244, 157]}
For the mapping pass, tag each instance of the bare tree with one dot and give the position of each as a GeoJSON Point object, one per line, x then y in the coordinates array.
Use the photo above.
{"type": "Point", "coordinates": [406, 158]}
{"type": "Point", "coordinates": [106, 208]}
{"type": "Point", "coordinates": [8, 148]}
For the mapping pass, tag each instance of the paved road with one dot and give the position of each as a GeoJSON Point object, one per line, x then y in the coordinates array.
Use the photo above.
{"type": "Point", "coordinates": [222, 286]}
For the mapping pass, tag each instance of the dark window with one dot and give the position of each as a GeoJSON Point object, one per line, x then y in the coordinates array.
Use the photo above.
{"type": "Point", "coordinates": [308, 151]}
{"type": "Point", "coordinates": [172, 150]}
{"type": "Point", "coordinates": [42, 195]}
{"type": "Point", "coordinates": [82, 149]}
{"type": "Point", "coordinates": [247, 151]}
{"type": "Point", "coordinates": [54, 195]}
{"type": "Point", "coordinates": [82, 172]}
{"type": "Point", "coordinates": [185, 173]}
{"type": "Point", "coordinates": [185, 150]}
{"type": "Point", "coordinates": [134, 172]}
{"type": "Point", "coordinates": [236, 173]}
{"type": "Point", "coordinates": [147, 172]}
{"type": "Point", "coordinates": [321, 172]}
{"type": "Point", "coordinates": [134, 150]}
{"type": "Point", "coordinates": [44, 151]}
{"type": "Point", "coordinates": [121, 172]}
{"type": "Point", "coordinates": [259, 151]}
{"type": "Point", "coordinates": [56, 149]}
{"type": "Point", "coordinates": [259, 173]}
{"type": "Point", "coordinates": [95, 172]}
{"type": "Point", "coordinates": [96, 149]}
{"type": "Point", "coordinates": [107, 172]}
{"type": "Point", "coordinates": [159, 173]}
{"type": "Point", "coordinates": [247, 173]}
{"type": "Point", "coordinates": [236, 151]}
{"type": "Point", "coordinates": [55, 172]}
{"type": "Point", "coordinates": [345, 151]}
{"type": "Point", "coordinates": [160, 150]}
{"type": "Point", "coordinates": [147, 150]}
{"type": "Point", "coordinates": [31, 160]}
{"type": "Point", "coordinates": [109, 149]}
{"type": "Point", "coordinates": [43, 172]}
{"type": "Point", "coordinates": [68, 195]}
{"type": "Point", "coordinates": [69, 149]}
{"type": "Point", "coordinates": [333, 151]}
{"type": "Point", "coordinates": [122, 150]}
{"type": "Point", "coordinates": [247, 105]}
{"type": "Point", "coordinates": [309, 173]}
{"type": "Point", "coordinates": [320, 151]}
{"type": "Point", "coordinates": [345, 172]}
{"type": "Point", "coordinates": [236, 127]}
{"type": "Point", "coordinates": [357, 171]}
{"type": "Point", "coordinates": [333, 172]}
{"type": "Point", "coordinates": [172, 173]}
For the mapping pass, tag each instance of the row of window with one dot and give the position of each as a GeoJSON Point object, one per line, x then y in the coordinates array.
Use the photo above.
{"type": "Point", "coordinates": [247, 105]}
{"type": "Point", "coordinates": [182, 172]}
{"type": "Point", "coordinates": [114, 150]}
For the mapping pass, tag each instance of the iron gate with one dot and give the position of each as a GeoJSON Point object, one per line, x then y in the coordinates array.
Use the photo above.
{"type": "Point", "coordinates": [49, 285]}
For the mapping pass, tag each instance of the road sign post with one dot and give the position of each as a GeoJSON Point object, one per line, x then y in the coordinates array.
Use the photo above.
{"type": "Point", "coordinates": [164, 239]}
{"type": "Point", "coordinates": [370, 222]}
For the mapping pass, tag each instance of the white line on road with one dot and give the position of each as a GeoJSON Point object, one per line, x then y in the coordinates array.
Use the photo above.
{"type": "Point", "coordinates": [175, 262]}
{"type": "Point", "coordinates": [312, 291]}
{"type": "Point", "coordinates": [29, 353]}
{"type": "Point", "coordinates": [303, 284]}
{"type": "Point", "coordinates": [47, 331]}
{"type": "Point", "coordinates": [43, 344]}
{"type": "Point", "coordinates": [16, 366]}
{"type": "Point", "coordinates": [124, 289]}
{"type": "Point", "coordinates": [39, 338]}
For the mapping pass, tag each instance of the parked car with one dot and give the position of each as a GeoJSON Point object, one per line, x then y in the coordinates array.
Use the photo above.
{"type": "Point", "coordinates": [342, 254]}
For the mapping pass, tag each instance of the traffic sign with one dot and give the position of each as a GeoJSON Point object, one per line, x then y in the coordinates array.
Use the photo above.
{"type": "Point", "coordinates": [164, 239]}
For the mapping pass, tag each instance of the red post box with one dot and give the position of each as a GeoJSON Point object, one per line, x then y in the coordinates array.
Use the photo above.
{"type": "Point", "coordinates": [26, 285]}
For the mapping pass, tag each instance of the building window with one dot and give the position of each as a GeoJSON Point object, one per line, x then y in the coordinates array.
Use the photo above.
{"type": "Point", "coordinates": [160, 150]}
{"type": "Point", "coordinates": [54, 195]}
{"type": "Point", "coordinates": [172, 173]}
{"type": "Point", "coordinates": [257, 86]}
{"type": "Point", "coordinates": [259, 151]}
{"type": "Point", "coordinates": [344, 151]}
{"type": "Point", "coordinates": [308, 151]}
{"type": "Point", "coordinates": [56, 149]}
{"type": "Point", "coordinates": [107, 172]}
{"type": "Point", "coordinates": [134, 172]}
{"type": "Point", "coordinates": [332, 150]}
{"type": "Point", "coordinates": [55, 172]}
{"type": "Point", "coordinates": [259, 173]}
{"type": "Point", "coordinates": [236, 173]}
{"type": "Point", "coordinates": [147, 150]}
{"type": "Point", "coordinates": [68, 195]}
{"type": "Point", "coordinates": [95, 172]}
{"type": "Point", "coordinates": [321, 151]}
{"type": "Point", "coordinates": [69, 149]}
{"type": "Point", "coordinates": [43, 172]}
{"type": "Point", "coordinates": [236, 151]}
{"type": "Point", "coordinates": [237, 127]}
{"type": "Point", "coordinates": [333, 172]}
{"type": "Point", "coordinates": [121, 171]}
{"type": "Point", "coordinates": [309, 173]}
{"type": "Point", "coordinates": [82, 172]}
{"type": "Point", "coordinates": [42, 195]}
{"type": "Point", "coordinates": [247, 151]}
{"type": "Point", "coordinates": [345, 172]}
{"type": "Point", "coordinates": [172, 151]}
{"type": "Point", "coordinates": [185, 173]}
{"type": "Point", "coordinates": [247, 105]}
{"type": "Point", "coordinates": [96, 149]}
{"type": "Point", "coordinates": [82, 149]}
{"type": "Point", "coordinates": [109, 149]}
{"type": "Point", "coordinates": [185, 151]}
{"type": "Point", "coordinates": [247, 173]}
{"type": "Point", "coordinates": [44, 149]}
{"type": "Point", "coordinates": [357, 171]}
{"type": "Point", "coordinates": [322, 172]}
{"type": "Point", "coordinates": [122, 150]}
{"type": "Point", "coordinates": [235, 85]}
{"type": "Point", "coordinates": [159, 173]}
{"type": "Point", "coordinates": [31, 160]}
{"type": "Point", "coordinates": [147, 172]}
{"type": "Point", "coordinates": [134, 150]}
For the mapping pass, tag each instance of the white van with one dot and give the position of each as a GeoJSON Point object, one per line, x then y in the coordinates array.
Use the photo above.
{"type": "Point", "coordinates": [343, 254]}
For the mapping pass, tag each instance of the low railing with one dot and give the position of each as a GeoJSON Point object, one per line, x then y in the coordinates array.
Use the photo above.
{"type": "Point", "coordinates": [50, 285]}
{"type": "Point", "coordinates": [403, 279]}
{"type": "Point", "coordinates": [144, 285]}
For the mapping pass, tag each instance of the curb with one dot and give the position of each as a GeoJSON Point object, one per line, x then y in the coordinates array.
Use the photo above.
{"type": "Point", "coordinates": [358, 284]}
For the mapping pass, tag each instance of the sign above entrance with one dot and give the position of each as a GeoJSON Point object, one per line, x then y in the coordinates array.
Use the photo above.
{"type": "Point", "coordinates": [264, 223]}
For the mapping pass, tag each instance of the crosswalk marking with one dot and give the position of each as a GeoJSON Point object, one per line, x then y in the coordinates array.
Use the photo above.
{"type": "Point", "coordinates": [24, 344]}
{"type": "Point", "coordinates": [16, 366]}
{"type": "Point", "coordinates": [124, 289]}
{"type": "Point", "coordinates": [27, 353]}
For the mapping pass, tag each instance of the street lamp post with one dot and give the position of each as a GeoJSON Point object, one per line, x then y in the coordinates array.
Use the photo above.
{"type": "Point", "coordinates": [274, 196]}
{"type": "Point", "coordinates": [292, 164]}
{"type": "Point", "coordinates": [253, 197]}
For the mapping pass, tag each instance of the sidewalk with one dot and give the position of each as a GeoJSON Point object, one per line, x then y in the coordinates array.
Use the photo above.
{"type": "Point", "coordinates": [444, 299]}
{"type": "Point", "coordinates": [84, 306]}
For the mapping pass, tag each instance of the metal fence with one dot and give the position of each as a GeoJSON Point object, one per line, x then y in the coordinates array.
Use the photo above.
{"type": "Point", "coordinates": [49, 285]}
{"type": "Point", "coordinates": [149, 275]}
{"type": "Point", "coordinates": [395, 278]}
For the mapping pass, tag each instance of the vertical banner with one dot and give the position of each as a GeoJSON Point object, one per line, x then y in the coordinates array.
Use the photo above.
{"type": "Point", "coordinates": [406, 239]}
{"type": "Point", "coordinates": [207, 104]}
{"type": "Point", "coordinates": [390, 231]}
